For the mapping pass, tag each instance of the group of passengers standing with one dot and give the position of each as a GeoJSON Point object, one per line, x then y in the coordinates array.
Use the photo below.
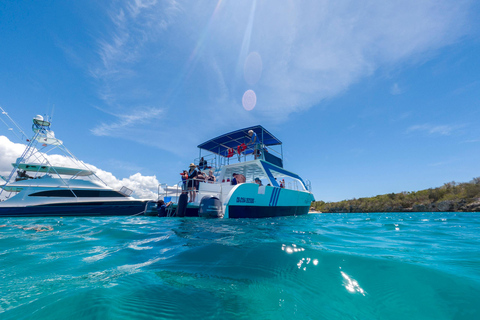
{"type": "Point", "coordinates": [192, 178]}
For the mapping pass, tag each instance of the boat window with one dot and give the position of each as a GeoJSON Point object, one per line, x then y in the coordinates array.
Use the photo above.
{"type": "Point", "coordinates": [273, 159]}
{"type": "Point", "coordinates": [78, 193]}
{"type": "Point", "coordinates": [285, 180]}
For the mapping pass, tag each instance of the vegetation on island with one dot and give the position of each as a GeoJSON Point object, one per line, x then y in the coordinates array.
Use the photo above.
{"type": "Point", "coordinates": [451, 196]}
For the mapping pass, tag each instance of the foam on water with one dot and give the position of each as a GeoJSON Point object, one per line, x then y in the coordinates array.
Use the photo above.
{"type": "Point", "coordinates": [320, 266]}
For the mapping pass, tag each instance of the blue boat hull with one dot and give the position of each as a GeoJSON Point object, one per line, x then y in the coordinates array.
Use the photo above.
{"type": "Point", "coordinates": [107, 208]}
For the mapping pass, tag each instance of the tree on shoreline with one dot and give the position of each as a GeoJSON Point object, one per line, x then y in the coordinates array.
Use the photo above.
{"type": "Point", "coordinates": [452, 196]}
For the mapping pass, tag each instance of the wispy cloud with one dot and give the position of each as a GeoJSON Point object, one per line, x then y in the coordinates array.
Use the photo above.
{"type": "Point", "coordinates": [140, 116]}
{"type": "Point", "coordinates": [395, 89]}
{"type": "Point", "coordinates": [442, 163]}
{"type": "Point", "coordinates": [443, 130]}
{"type": "Point", "coordinates": [307, 52]}
{"type": "Point", "coordinates": [134, 23]}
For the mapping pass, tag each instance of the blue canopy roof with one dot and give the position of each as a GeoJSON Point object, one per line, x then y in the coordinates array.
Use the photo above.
{"type": "Point", "coordinates": [221, 144]}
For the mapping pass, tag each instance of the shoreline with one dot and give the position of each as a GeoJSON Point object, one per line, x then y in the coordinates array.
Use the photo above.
{"type": "Point", "coordinates": [451, 197]}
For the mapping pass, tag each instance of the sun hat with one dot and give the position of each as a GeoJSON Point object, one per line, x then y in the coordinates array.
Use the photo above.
{"type": "Point", "coordinates": [192, 165]}
{"type": "Point", "coordinates": [257, 179]}
{"type": "Point", "coordinates": [250, 131]}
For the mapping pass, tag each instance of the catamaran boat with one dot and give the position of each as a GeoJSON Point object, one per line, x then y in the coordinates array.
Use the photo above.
{"type": "Point", "coordinates": [35, 187]}
{"type": "Point", "coordinates": [261, 187]}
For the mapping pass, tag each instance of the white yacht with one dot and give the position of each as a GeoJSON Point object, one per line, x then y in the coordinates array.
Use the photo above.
{"type": "Point", "coordinates": [35, 187]}
{"type": "Point", "coordinates": [250, 181]}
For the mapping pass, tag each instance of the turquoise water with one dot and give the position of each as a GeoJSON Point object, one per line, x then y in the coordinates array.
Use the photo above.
{"type": "Point", "coordinates": [320, 266]}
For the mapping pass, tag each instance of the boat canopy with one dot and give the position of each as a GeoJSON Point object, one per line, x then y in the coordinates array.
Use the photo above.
{"type": "Point", "coordinates": [221, 144]}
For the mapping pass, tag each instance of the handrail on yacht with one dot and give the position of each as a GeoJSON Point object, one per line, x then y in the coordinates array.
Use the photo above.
{"type": "Point", "coordinates": [178, 189]}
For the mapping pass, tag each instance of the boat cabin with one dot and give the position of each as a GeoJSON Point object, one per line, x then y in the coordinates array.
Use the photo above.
{"type": "Point", "coordinates": [252, 154]}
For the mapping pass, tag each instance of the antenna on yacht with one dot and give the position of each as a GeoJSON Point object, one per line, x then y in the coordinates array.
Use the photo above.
{"type": "Point", "coordinates": [51, 114]}
{"type": "Point", "coordinates": [23, 136]}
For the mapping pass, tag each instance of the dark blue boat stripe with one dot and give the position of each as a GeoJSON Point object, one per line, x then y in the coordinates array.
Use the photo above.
{"type": "Point", "coordinates": [271, 198]}
{"type": "Point", "coordinates": [274, 197]}
{"type": "Point", "coordinates": [274, 194]}
{"type": "Point", "coordinates": [278, 196]}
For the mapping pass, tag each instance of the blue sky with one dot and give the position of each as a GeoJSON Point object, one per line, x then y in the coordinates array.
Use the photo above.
{"type": "Point", "coordinates": [368, 97]}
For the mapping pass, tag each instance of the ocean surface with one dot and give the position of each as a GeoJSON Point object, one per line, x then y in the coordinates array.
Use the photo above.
{"type": "Point", "coordinates": [319, 266]}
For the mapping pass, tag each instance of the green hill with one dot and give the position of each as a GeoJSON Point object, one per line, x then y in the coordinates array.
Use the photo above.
{"type": "Point", "coordinates": [451, 196]}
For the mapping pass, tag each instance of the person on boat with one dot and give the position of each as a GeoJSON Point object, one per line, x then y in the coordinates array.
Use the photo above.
{"type": "Point", "coordinates": [162, 208]}
{"type": "Point", "coordinates": [254, 142]}
{"type": "Point", "coordinates": [191, 184]}
{"type": "Point", "coordinates": [202, 165]}
{"type": "Point", "coordinates": [258, 181]}
{"type": "Point", "coordinates": [22, 175]}
{"type": "Point", "coordinates": [233, 182]}
{"type": "Point", "coordinates": [201, 177]}
{"type": "Point", "coordinates": [238, 178]}
{"type": "Point", "coordinates": [241, 178]}
{"type": "Point", "coordinates": [210, 178]}
{"type": "Point", "coordinates": [184, 175]}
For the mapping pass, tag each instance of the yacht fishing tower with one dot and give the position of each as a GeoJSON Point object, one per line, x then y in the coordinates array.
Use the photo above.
{"type": "Point", "coordinates": [35, 187]}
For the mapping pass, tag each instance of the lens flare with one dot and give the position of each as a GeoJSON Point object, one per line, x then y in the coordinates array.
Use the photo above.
{"type": "Point", "coordinates": [249, 100]}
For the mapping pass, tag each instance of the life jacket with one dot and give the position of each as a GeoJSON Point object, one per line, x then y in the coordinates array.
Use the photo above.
{"type": "Point", "coordinates": [241, 148]}
{"type": "Point", "coordinates": [230, 152]}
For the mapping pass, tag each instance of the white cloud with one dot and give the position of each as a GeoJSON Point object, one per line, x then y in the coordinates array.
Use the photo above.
{"type": "Point", "coordinates": [443, 130]}
{"type": "Point", "coordinates": [143, 186]}
{"type": "Point", "coordinates": [9, 152]}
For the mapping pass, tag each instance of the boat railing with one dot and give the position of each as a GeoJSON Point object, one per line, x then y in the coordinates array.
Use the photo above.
{"type": "Point", "coordinates": [298, 185]}
{"type": "Point", "coordinates": [172, 193]}
{"type": "Point", "coordinates": [308, 184]}
{"type": "Point", "coordinates": [244, 156]}
{"type": "Point", "coordinates": [210, 162]}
